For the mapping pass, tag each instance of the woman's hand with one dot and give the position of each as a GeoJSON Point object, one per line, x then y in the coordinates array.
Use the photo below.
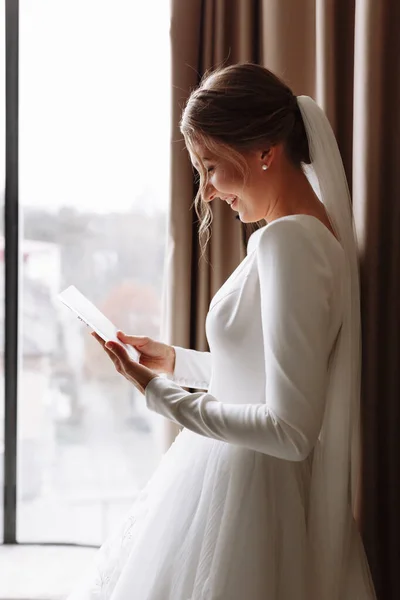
{"type": "Point", "coordinates": [134, 372]}
{"type": "Point", "coordinates": [156, 356]}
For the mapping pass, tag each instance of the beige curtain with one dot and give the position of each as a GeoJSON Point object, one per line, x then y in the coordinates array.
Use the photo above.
{"type": "Point", "coordinates": [346, 54]}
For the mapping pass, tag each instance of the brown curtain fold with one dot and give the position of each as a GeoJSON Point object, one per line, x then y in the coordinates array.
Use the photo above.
{"type": "Point", "coordinates": [345, 54]}
{"type": "Point", "coordinates": [376, 194]}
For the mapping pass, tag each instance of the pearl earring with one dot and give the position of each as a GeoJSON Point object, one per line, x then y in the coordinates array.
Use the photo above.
{"type": "Point", "coordinates": [264, 167]}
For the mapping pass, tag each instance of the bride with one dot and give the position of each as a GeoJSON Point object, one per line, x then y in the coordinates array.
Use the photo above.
{"type": "Point", "coordinates": [254, 499]}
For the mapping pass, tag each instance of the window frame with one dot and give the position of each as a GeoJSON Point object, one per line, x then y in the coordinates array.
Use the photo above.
{"type": "Point", "coordinates": [11, 270]}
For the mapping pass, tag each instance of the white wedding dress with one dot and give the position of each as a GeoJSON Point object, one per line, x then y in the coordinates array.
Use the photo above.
{"type": "Point", "coordinates": [224, 516]}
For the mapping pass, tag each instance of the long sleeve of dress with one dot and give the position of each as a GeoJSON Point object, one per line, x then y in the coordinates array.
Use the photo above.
{"type": "Point", "coordinates": [296, 283]}
{"type": "Point", "coordinates": [192, 368]}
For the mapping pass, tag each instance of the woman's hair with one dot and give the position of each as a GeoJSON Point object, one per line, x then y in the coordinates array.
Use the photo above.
{"type": "Point", "coordinates": [235, 109]}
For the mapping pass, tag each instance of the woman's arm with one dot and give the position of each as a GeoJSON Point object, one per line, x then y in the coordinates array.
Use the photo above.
{"type": "Point", "coordinates": [192, 368]}
{"type": "Point", "coordinates": [295, 288]}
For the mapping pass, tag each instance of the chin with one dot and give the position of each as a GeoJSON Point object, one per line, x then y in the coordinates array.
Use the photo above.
{"type": "Point", "coordinates": [244, 218]}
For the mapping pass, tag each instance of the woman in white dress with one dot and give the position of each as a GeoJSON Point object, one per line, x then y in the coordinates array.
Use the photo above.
{"type": "Point", "coordinates": [254, 499]}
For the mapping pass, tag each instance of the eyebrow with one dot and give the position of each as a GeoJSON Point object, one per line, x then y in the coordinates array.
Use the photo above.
{"type": "Point", "coordinates": [195, 164]}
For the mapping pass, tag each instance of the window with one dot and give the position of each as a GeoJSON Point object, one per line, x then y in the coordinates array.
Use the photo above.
{"type": "Point", "coordinates": [93, 173]}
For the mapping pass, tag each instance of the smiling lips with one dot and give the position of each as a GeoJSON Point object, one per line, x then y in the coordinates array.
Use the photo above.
{"type": "Point", "coordinates": [231, 200]}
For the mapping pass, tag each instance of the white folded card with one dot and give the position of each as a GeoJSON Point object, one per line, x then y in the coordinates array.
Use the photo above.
{"type": "Point", "coordinates": [93, 318]}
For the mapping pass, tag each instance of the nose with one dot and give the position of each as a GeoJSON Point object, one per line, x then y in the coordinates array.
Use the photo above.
{"type": "Point", "coordinates": [209, 193]}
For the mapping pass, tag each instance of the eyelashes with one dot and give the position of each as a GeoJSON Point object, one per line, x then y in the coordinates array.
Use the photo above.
{"type": "Point", "coordinates": [197, 176]}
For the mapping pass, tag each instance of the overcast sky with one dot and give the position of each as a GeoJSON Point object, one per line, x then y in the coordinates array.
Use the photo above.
{"type": "Point", "coordinates": [94, 103]}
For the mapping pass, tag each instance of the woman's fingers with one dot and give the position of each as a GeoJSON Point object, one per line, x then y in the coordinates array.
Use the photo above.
{"type": "Point", "coordinates": [134, 340]}
{"type": "Point", "coordinates": [98, 338]}
{"type": "Point", "coordinates": [111, 354]}
{"type": "Point", "coordinates": [119, 352]}
{"type": "Point", "coordinates": [134, 372]}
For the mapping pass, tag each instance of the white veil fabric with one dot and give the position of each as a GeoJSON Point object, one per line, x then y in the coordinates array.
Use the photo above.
{"type": "Point", "coordinates": [336, 461]}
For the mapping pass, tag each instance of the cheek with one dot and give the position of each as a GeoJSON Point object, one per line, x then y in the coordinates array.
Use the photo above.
{"type": "Point", "coordinates": [225, 179]}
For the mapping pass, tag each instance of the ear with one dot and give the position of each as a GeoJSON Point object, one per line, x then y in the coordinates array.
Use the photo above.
{"type": "Point", "coordinates": [267, 155]}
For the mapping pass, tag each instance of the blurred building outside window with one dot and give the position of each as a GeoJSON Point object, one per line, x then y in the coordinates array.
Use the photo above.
{"type": "Point", "coordinates": [93, 167]}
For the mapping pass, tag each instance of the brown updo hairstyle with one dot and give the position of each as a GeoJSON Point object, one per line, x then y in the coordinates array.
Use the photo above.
{"type": "Point", "coordinates": [236, 109]}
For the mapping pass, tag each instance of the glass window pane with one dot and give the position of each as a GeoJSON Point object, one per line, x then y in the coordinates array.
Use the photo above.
{"type": "Point", "coordinates": [94, 165]}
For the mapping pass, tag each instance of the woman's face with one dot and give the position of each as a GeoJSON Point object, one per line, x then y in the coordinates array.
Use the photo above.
{"type": "Point", "coordinates": [251, 199]}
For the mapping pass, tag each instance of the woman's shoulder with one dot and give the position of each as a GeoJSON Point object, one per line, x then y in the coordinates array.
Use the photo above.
{"type": "Point", "coordinates": [300, 244]}
{"type": "Point", "coordinates": [295, 233]}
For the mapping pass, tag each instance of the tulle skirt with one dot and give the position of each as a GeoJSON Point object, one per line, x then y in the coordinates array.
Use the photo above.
{"type": "Point", "coordinates": [214, 522]}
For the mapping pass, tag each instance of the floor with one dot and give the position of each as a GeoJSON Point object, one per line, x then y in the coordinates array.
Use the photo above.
{"type": "Point", "coordinates": [41, 572]}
